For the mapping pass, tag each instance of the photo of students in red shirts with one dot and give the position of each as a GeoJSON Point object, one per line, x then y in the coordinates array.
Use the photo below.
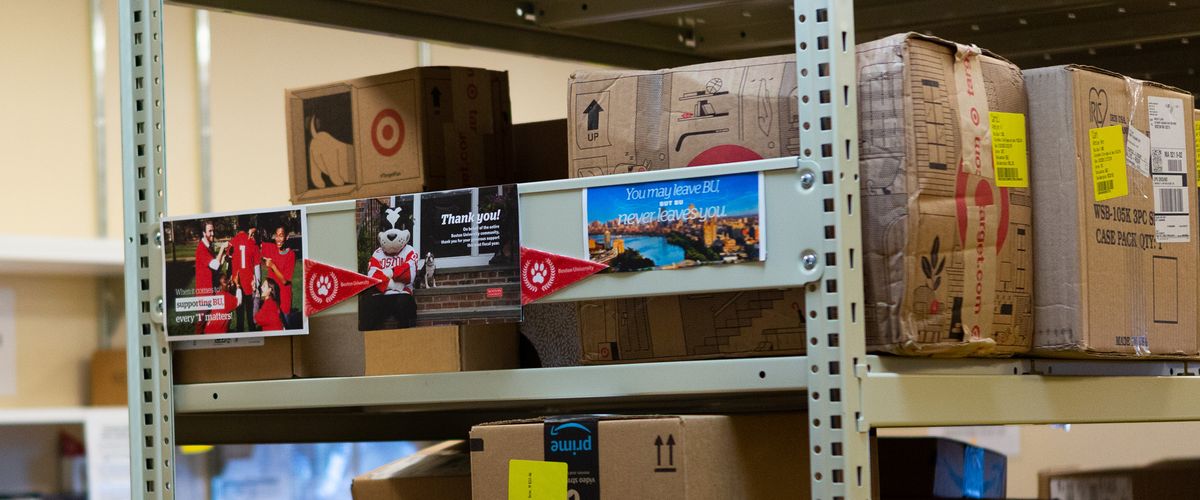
{"type": "Point", "coordinates": [235, 275]}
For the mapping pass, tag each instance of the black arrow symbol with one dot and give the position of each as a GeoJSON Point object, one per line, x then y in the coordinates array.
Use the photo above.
{"type": "Point", "coordinates": [658, 447]}
{"type": "Point", "coordinates": [671, 448]}
{"type": "Point", "coordinates": [437, 97]}
{"type": "Point", "coordinates": [593, 113]}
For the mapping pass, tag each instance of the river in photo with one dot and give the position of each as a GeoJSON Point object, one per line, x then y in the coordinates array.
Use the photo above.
{"type": "Point", "coordinates": [654, 248]}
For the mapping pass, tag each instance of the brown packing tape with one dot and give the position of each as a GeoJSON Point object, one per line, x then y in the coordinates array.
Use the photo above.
{"type": "Point", "coordinates": [975, 160]}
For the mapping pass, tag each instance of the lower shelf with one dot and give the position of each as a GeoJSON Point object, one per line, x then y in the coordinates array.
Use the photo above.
{"type": "Point", "coordinates": [897, 392]}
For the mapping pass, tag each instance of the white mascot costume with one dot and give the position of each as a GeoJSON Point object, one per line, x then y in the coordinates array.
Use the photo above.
{"type": "Point", "coordinates": [395, 262]}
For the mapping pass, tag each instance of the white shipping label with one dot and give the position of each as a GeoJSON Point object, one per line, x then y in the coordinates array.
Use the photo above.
{"type": "Point", "coordinates": [1092, 488]}
{"type": "Point", "coordinates": [185, 345]}
{"type": "Point", "coordinates": [1137, 151]}
{"type": "Point", "coordinates": [8, 343]}
{"type": "Point", "coordinates": [1168, 163]}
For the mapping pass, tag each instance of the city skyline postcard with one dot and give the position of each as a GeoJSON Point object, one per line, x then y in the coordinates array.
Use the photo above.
{"type": "Point", "coordinates": [676, 224]}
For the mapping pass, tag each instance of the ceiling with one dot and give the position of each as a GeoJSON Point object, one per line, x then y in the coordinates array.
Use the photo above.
{"type": "Point", "coordinates": [1148, 39]}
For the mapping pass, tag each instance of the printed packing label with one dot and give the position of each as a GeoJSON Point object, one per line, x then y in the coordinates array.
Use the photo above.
{"type": "Point", "coordinates": [1108, 162]}
{"type": "Point", "coordinates": [536, 480]}
{"type": "Point", "coordinates": [1196, 126]}
{"type": "Point", "coordinates": [1137, 151]}
{"type": "Point", "coordinates": [1168, 158]}
{"type": "Point", "coordinates": [1008, 149]}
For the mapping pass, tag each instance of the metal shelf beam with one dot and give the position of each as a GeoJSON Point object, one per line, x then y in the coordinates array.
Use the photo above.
{"type": "Point", "coordinates": [506, 389]}
{"type": "Point", "coordinates": [893, 400]}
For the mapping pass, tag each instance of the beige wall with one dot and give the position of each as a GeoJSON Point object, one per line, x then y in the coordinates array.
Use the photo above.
{"type": "Point", "coordinates": [56, 324]}
{"type": "Point", "coordinates": [45, 126]}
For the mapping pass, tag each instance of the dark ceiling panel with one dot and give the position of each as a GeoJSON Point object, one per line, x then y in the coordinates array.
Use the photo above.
{"type": "Point", "coordinates": [1139, 38]}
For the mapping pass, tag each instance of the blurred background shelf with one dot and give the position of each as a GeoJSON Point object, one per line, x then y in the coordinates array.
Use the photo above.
{"type": "Point", "coordinates": [47, 255]}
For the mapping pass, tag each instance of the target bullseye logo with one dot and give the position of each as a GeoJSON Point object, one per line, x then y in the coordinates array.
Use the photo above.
{"type": "Point", "coordinates": [387, 132]}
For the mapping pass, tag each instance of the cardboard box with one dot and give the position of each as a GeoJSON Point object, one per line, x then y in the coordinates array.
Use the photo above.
{"type": "Point", "coordinates": [720, 112]}
{"type": "Point", "coordinates": [335, 347]}
{"type": "Point", "coordinates": [432, 349]}
{"type": "Point", "coordinates": [946, 250]}
{"type": "Point", "coordinates": [762, 457]}
{"type": "Point", "coordinates": [700, 326]}
{"type": "Point", "coordinates": [421, 129]}
{"type": "Point", "coordinates": [234, 363]}
{"type": "Point", "coordinates": [924, 468]}
{"type": "Point", "coordinates": [1161, 480]}
{"type": "Point", "coordinates": [108, 380]}
{"type": "Point", "coordinates": [540, 151]}
{"type": "Point", "coordinates": [1116, 271]}
{"type": "Point", "coordinates": [439, 472]}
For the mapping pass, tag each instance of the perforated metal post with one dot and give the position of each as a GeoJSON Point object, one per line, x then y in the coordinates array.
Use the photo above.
{"type": "Point", "coordinates": [144, 172]}
{"type": "Point", "coordinates": [828, 109]}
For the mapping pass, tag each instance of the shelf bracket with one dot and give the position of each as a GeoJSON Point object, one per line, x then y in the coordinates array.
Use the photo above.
{"type": "Point", "coordinates": [828, 111]}
{"type": "Point", "coordinates": [151, 431]}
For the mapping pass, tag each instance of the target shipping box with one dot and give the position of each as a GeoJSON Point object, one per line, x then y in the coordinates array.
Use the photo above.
{"type": "Point", "coordinates": [1115, 213]}
{"type": "Point", "coordinates": [947, 236]}
{"type": "Point", "coordinates": [421, 129]}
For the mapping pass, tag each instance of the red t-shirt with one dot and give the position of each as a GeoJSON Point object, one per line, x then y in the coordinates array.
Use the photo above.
{"type": "Point", "coordinates": [204, 273]}
{"type": "Point", "coordinates": [216, 324]}
{"type": "Point", "coordinates": [267, 316]}
{"type": "Point", "coordinates": [286, 263]}
{"type": "Point", "coordinates": [246, 255]}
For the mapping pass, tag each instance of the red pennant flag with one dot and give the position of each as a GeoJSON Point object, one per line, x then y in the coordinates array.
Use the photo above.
{"type": "Point", "coordinates": [325, 285]}
{"type": "Point", "coordinates": [543, 273]}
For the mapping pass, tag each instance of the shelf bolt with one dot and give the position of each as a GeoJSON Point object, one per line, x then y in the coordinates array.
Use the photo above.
{"type": "Point", "coordinates": [809, 258]}
{"type": "Point", "coordinates": [159, 305]}
{"type": "Point", "coordinates": [807, 179]}
{"type": "Point", "coordinates": [158, 238]}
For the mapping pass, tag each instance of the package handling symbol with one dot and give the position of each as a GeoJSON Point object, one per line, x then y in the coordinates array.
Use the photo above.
{"type": "Point", "coordinates": [436, 93]}
{"type": "Point", "coordinates": [658, 446]}
{"type": "Point", "coordinates": [593, 111]}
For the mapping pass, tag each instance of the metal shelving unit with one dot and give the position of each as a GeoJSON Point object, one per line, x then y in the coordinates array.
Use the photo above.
{"type": "Point", "coordinates": [845, 391]}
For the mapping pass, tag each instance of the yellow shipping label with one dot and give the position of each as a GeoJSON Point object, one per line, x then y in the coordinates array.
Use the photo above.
{"type": "Point", "coordinates": [1009, 156]}
{"type": "Point", "coordinates": [1108, 162]}
{"type": "Point", "coordinates": [536, 480]}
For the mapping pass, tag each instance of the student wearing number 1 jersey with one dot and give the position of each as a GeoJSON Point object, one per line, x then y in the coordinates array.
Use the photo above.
{"type": "Point", "coordinates": [247, 272]}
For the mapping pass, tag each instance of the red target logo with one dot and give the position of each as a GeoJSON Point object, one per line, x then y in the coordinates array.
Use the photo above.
{"type": "Point", "coordinates": [387, 132]}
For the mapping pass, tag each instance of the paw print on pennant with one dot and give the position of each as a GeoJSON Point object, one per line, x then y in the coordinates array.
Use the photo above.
{"type": "Point", "coordinates": [538, 273]}
{"type": "Point", "coordinates": [324, 284]}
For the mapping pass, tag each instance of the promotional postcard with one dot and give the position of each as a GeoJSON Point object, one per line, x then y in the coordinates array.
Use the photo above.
{"type": "Point", "coordinates": [446, 257]}
{"type": "Point", "coordinates": [676, 224]}
{"type": "Point", "coordinates": [235, 275]}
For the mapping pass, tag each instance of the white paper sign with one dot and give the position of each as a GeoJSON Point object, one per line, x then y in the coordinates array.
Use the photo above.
{"type": "Point", "coordinates": [8, 343]}
{"type": "Point", "coordinates": [106, 439]}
